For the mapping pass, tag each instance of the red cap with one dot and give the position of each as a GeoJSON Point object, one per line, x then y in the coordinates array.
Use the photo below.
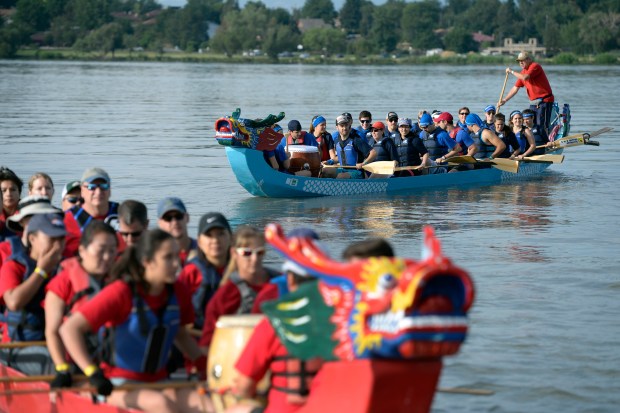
{"type": "Point", "coordinates": [444, 116]}
{"type": "Point", "coordinates": [378, 125]}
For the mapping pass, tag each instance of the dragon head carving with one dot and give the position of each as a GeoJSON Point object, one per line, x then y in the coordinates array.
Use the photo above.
{"type": "Point", "coordinates": [381, 307]}
{"type": "Point", "coordinates": [254, 134]}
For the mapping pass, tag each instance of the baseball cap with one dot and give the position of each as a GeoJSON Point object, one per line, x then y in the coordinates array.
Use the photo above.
{"type": "Point", "coordinates": [489, 108]}
{"type": "Point", "coordinates": [342, 119]}
{"type": "Point", "coordinates": [30, 205]}
{"type": "Point", "coordinates": [50, 224]}
{"type": "Point", "coordinates": [294, 125]}
{"type": "Point", "coordinates": [425, 120]}
{"type": "Point", "coordinates": [378, 125]}
{"type": "Point", "coordinates": [445, 116]}
{"type": "Point", "coordinates": [473, 119]}
{"type": "Point", "coordinates": [391, 115]}
{"type": "Point", "coordinates": [92, 174]}
{"type": "Point", "coordinates": [212, 220]}
{"type": "Point", "coordinates": [170, 204]}
{"type": "Point", "coordinates": [435, 114]}
{"type": "Point", "coordinates": [69, 187]}
{"type": "Point", "coordinates": [523, 56]}
{"type": "Point", "coordinates": [404, 121]}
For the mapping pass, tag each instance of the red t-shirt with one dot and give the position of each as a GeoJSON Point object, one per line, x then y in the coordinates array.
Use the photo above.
{"type": "Point", "coordinates": [257, 358]}
{"type": "Point", "coordinates": [192, 277]}
{"type": "Point", "coordinates": [226, 300]}
{"type": "Point", "coordinates": [537, 86]}
{"type": "Point", "coordinates": [268, 293]}
{"type": "Point", "coordinates": [112, 306]}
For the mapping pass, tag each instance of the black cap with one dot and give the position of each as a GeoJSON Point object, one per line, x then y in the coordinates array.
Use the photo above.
{"type": "Point", "coordinates": [212, 220]}
{"type": "Point", "coordinates": [294, 125]}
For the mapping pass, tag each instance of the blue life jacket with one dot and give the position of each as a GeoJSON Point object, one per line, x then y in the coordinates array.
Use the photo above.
{"type": "Point", "coordinates": [484, 150]}
{"type": "Point", "coordinates": [143, 343]}
{"type": "Point", "coordinates": [346, 152]}
{"type": "Point", "coordinates": [208, 286]}
{"type": "Point", "coordinates": [434, 148]}
{"type": "Point", "coordinates": [540, 137]}
{"type": "Point", "coordinates": [83, 218]}
{"type": "Point", "coordinates": [523, 144]}
{"type": "Point", "coordinates": [27, 324]}
{"type": "Point", "coordinates": [382, 153]}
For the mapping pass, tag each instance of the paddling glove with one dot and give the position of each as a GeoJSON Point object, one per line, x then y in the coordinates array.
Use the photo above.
{"type": "Point", "coordinates": [101, 383]}
{"type": "Point", "coordinates": [62, 379]}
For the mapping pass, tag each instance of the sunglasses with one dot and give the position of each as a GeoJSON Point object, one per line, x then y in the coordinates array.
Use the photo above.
{"type": "Point", "coordinates": [134, 234]}
{"type": "Point", "coordinates": [424, 127]}
{"type": "Point", "coordinates": [392, 120]}
{"type": "Point", "coordinates": [364, 120]}
{"type": "Point", "coordinates": [464, 113]}
{"type": "Point", "coordinates": [377, 130]}
{"type": "Point", "coordinates": [246, 252]}
{"type": "Point", "coordinates": [74, 199]}
{"type": "Point", "coordinates": [173, 217]}
{"type": "Point", "coordinates": [92, 187]}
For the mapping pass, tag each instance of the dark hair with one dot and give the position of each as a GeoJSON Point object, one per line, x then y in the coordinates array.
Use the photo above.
{"type": "Point", "coordinates": [528, 111]}
{"type": "Point", "coordinates": [371, 247]}
{"type": "Point", "coordinates": [500, 116]}
{"type": "Point", "coordinates": [132, 211]}
{"type": "Point", "coordinates": [96, 227]}
{"type": "Point", "coordinates": [8, 175]}
{"type": "Point", "coordinates": [129, 267]}
{"type": "Point", "coordinates": [364, 114]}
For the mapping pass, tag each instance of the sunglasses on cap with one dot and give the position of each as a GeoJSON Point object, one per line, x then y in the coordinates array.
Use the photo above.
{"type": "Point", "coordinates": [103, 186]}
{"type": "Point", "coordinates": [173, 217]}
{"type": "Point", "coordinates": [74, 199]}
{"type": "Point", "coordinates": [246, 252]}
{"type": "Point", "coordinates": [134, 234]}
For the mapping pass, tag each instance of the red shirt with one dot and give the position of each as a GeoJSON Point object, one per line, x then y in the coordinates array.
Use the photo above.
{"type": "Point", "coordinates": [257, 358]}
{"type": "Point", "coordinates": [112, 306]}
{"type": "Point", "coordinates": [226, 300]}
{"type": "Point", "coordinates": [268, 293]}
{"type": "Point", "coordinates": [192, 277]}
{"type": "Point", "coordinates": [537, 86]}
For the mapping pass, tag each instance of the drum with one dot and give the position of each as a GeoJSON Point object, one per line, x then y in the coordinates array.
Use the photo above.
{"type": "Point", "coordinates": [232, 332]}
{"type": "Point", "coordinates": [305, 157]}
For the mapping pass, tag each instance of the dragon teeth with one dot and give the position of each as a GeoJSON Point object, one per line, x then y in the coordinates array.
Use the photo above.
{"type": "Point", "coordinates": [387, 322]}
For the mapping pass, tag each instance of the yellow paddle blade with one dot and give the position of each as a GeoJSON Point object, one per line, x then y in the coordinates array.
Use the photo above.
{"type": "Point", "coordinates": [380, 167]}
{"type": "Point", "coordinates": [546, 158]}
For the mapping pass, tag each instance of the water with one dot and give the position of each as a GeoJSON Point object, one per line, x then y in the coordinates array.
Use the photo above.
{"type": "Point", "coordinates": [543, 254]}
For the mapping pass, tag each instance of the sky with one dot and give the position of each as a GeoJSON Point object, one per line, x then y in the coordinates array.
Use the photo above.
{"type": "Point", "coordinates": [272, 4]}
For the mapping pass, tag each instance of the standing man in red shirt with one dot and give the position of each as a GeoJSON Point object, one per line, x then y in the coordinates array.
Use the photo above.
{"type": "Point", "coordinates": [533, 77]}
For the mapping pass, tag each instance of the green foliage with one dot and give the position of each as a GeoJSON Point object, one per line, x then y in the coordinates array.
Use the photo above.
{"type": "Point", "coordinates": [9, 41]}
{"type": "Point", "coordinates": [418, 22]}
{"type": "Point", "coordinates": [105, 39]}
{"type": "Point", "coordinates": [566, 59]}
{"type": "Point", "coordinates": [319, 9]}
{"type": "Point", "coordinates": [329, 41]}
{"type": "Point", "coordinates": [460, 40]}
{"type": "Point", "coordinates": [606, 59]}
{"type": "Point", "coordinates": [350, 15]}
{"type": "Point", "coordinates": [32, 13]}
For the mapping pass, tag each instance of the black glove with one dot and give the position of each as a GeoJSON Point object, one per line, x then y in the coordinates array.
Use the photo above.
{"type": "Point", "coordinates": [62, 379]}
{"type": "Point", "coordinates": [101, 383]}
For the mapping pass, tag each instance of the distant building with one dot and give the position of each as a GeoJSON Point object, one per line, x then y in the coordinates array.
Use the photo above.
{"type": "Point", "coordinates": [480, 37]}
{"type": "Point", "coordinates": [512, 48]}
{"type": "Point", "coordinates": [308, 24]}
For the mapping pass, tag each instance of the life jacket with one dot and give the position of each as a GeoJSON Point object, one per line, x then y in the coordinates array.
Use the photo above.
{"type": "Point", "coordinates": [504, 138]}
{"type": "Point", "coordinates": [540, 138]}
{"type": "Point", "coordinates": [323, 149]}
{"type": "Point", "coordinates": [485, 150]}
{"type": "Point", "coordinates": [521, 138]}
{"type": "Point", "coordinates": [83, 218]}
{"type": "Point", "coordinates": [300, 141]}
{"type": "Point", "coordinates": [248, 294]}
{"type": "Point", "coordinates": [347, 154]}
{"type": "Point", "coordinates": [382, 153]}
{"type": "Point", "coordinates": [27, 324]}
{"type": "Point", "coordinates": [143, 342]}
{"type": "Point", "coordinates": [84, 286]}
{"type": "Point", "coordinates": [208, 286]}
{"type": "Point", "coordinates": [407, 153]}
{"type": "Point", "coordinates": [435, 150]}
{"type": "Point", "coordinates": [299, 375]}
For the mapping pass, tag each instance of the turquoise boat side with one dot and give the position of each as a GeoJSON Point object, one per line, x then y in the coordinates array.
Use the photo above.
{"type": "Point", "coordinates": [259, 179]}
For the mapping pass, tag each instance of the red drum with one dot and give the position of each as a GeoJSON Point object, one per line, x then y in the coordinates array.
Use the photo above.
{"type": "Point", "coordinates": [305, 157]}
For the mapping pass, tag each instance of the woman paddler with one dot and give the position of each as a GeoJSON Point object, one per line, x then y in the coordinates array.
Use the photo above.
{"type": "Point", "coordinates": [144, 312]}
{"type": "Point", "coordinates": [79, 280]}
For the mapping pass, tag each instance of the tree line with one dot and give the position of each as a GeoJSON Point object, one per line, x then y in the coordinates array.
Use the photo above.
{"type": "Point", "coordinates": [360, 27]}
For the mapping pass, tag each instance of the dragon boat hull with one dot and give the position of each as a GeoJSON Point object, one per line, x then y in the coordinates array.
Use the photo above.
{"type": "Point", "coordinates": [37, 402]}
{"type": "Point", "coordinates": [259, 179]}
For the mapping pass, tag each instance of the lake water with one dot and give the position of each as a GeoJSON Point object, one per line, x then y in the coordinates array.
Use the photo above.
{"type": "Point", "coordinates": [544, 333]}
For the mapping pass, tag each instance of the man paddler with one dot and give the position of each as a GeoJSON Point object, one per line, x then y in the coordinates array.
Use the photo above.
{"type": "Point", "coordinates": [352, 150]}
{"type": "Point", "coordinates": [533, 77]}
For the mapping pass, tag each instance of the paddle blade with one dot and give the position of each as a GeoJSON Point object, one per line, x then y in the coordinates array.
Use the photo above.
{"type": "Point", "coordinates": [268, 140]}
{"type": "Point", "coordinates": [545, 158]}
{"type": "Point", "coordinates": [506, 165]}
{"type": "Point", "coordinates": [380, 167]}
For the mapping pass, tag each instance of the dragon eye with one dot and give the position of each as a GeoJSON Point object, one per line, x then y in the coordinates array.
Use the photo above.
{"type": "Point", "coordinates": [387, 281]}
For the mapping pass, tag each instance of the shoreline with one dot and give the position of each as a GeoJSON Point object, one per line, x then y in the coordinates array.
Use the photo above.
{"type": "Point", "coordinates": [446, 58]}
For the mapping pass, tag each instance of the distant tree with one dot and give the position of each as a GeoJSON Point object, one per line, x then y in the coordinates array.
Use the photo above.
{"type": "Point", "coordinates": [481, 16]}
{"type": "Point", "coordinates": [508, 22]}
{"type": "Point", "coordinates": [105, 39]}
{"type": "Point", "coordinates": [460, 40]}
{"type": "Point", "coordinates": [418, 22]}
{"type": "Point", "coordinates": [319, 9]}
{"type": "Point", "coordinates": [279, 38]}
{"type": "Point", "coordinates": [33, 14]}
{"type": "Point", "coordinates": [604, 37]}
{"type": "Point", "coordinates": [385, 30]}
{"type": "Point", "coordinates": [9, 40]}
{"type": "Point", "coordinates": [88, 14]}
{"type": "Point", "coordinates": [350, 15]}
{"type": "Point", "coordinates": [367, 11]}
{"type": "Point", "coordinates": [328, 40]}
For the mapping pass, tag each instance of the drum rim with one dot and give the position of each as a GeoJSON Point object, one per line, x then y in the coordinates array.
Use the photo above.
{"type": "Point", "coordinates": [241, 320]}
{"type": "Point", "coordinates": [303, 148]}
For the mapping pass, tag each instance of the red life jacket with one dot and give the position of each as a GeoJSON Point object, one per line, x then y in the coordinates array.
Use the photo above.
{"type": "Point", "coordinates": [299, 375]}
{"type": "Point", "coordinates": [300, 140]}
{"type": "Point", "coordinates": [323, 148]}
{"type": "Point", "coordinates": [83, 285]}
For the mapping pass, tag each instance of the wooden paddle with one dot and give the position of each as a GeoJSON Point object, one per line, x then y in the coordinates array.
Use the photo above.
{"type": "Point", "coordinates": [22, 344]}
{"type": "Point", "coordinates": [544, 158]}
{"type": "Point", "coordinates": [501, 95]}
{"type": "Point", "coordinates": [576, 140]}
{"type": "Point", "coordinates": [388, 168]}
{"type": "Point", "coordinates": [498, 163]}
